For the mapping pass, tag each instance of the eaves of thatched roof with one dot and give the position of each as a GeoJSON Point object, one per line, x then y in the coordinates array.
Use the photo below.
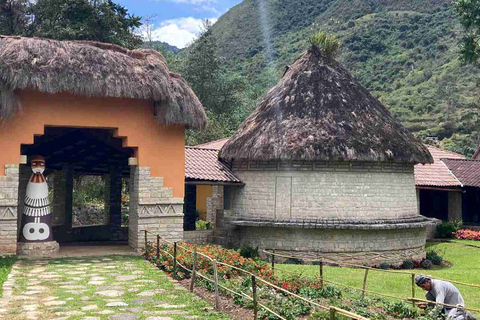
{"type": "Point", "coordinates": [95, 69]}
{"type": "Point", "coordinates": [318, 111]}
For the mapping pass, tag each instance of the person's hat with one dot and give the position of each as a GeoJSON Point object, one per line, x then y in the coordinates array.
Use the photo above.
{"type": "Point", "coordinates": [420, 279]}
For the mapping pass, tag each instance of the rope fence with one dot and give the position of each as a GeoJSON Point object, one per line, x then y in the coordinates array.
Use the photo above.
{"type": "Point", "coordinates": [322, 279]}
{"type": "Point", "coordinates": [254, 279]}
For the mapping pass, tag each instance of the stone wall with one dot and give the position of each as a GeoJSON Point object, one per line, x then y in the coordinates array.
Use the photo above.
{"type": "Point", "coordinates": [214, 203]}
{"type": "Point", "coordinates": [198, 236]}
{"type": "Point", "coordinates": [356, 246]}
{"type": "Point", "coordinates": [152, 208]}
{"type": "Point", "coordinates": [321, 190]}
{"type": "Point", "coordinates": [9, 192]}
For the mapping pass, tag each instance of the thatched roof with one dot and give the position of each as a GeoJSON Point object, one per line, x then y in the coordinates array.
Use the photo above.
{"type": "Point", "coordinates": [95, 69]}
{"type": "Point", "coordinates": [318, 111]}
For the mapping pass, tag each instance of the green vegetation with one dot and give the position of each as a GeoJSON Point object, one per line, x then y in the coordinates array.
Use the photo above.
{"type": "Point", "coordinates": [6, 264]}
{"type": "Point", "coordinates": [327, 44]}
{"type": "Point", "coordinates": [408, 59]}
{"type": "Point", "coordinates": [465, 268]}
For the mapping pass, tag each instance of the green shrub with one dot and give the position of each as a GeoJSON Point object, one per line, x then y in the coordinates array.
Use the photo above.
{"type": "Point", "coordinates": [408, 264]}
{"type": "Point", "coordinates": [202, 225]}
{"type": "Point", "coordinates": [327, 44]}
{"type": "Point", "coordinates": [249, 252]}
{"type": "Point", "coordinates": [434, 257]}
{"type": "Point", "coordinates": [446, 230]}
{"type": "Point", "coordinates": [426, 264]}
{"type": "Point", "coordinates": [400, 310]}
{"type": "Point", "coordinates": [384, 265]}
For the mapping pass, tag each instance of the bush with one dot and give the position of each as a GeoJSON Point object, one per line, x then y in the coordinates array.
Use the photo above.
{"type": "Point", "coordinates": [446, 230]}
{"type": "Point", "coordinates": [202, 225]}
{"type": "Point", "coordinates": [408, 264]}
{"type": "Point", "coordinates": [433, 256]}
{"type": "Point", "coordinates": [384, 265]}
{"type": "Point", "coordinates": [426, 264]}
{"type": "Point", "coordinates": [327, 44]}
{"type": "Point", "coordinates": [249, 252]}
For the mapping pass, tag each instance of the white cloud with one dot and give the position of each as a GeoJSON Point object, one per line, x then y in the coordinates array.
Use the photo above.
{"type": "Point", "coordinates": [179, 32]}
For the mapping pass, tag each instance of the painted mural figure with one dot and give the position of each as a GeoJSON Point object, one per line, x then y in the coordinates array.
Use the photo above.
{"type": "Point", "coordinates": [36, 219]}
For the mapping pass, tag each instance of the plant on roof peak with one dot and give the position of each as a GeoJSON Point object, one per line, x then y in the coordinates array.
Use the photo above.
{"type": "Point", "coordinates": [327, 45]}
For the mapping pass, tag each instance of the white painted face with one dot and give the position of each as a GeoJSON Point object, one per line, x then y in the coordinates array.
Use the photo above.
{"type": "Point", "coordinates": [38, 166]}
{"type": "Point", "coordinates": [36, 231]}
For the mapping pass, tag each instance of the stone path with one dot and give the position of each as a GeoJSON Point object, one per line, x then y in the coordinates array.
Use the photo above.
{"type": "Point", "coordinates": [100, 288]}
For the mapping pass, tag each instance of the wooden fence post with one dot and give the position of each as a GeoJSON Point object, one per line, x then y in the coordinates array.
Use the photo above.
{"type": "Point", "coordinates": [364, 283]}
{"type": "Point", "coordinates": [273, 261]}
{"type": "Point", "coordinates": [158, 247]}
{"type": "Point", "coordinates": [254, 295]}
{"type": "Point", "coordinates": [332, 313]}
{"type": "Point", "coordinates": [321, 274]}
{"type": "Point", "coordinates": [146, 244]}
{"type": "Point", "coordinates": [175, 260]}
{"type": "Point", "coordinates": [194, 270]}
{"type": "Point", "coordinates": [413, 289]}
{"type": "Point", "coordinates": [215, 276]}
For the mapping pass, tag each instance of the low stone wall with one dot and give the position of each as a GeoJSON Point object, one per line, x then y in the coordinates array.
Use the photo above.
{"type": "Point", "coordinates": [354, 246]}
{"type": "Point", "coordinates": [198, 236]}
{"type": "Point", "coordinates": [431, 231]}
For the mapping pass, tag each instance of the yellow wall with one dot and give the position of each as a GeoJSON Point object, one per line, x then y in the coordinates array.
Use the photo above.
{"type": "Point", "coordinates": [162, 148]}
{"type": "Point", "coordinates": [203, 192]}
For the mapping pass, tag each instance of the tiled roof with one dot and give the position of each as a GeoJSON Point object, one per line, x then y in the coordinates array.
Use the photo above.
{"type": "Point", "coordinates": [203, 164]}
{"type": "Point", "coordinates": [467, 171]}
{"type": "Point", "coordinates": [216, 145]}
{"type": "Point", "coordinates": [437, 174]}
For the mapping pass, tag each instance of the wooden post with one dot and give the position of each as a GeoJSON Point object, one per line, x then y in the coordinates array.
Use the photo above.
{"type": "Point", "coordinates": [194, 270]}
{"type": "Point", "coordinates": [175, 260]}
{"type": "Point", "coordinates": [321, 274]}
{"type": "Point", "coordinates": [413, 289]}
{"type": "Point", "coordinates": [254, 295]}
{"type": "Point", "coordinates": [215, 276]}
{"type": "Point", "coordinates": [158, 248]}
{"type": "Point", "coordinates": [332, 313]}
{"type": "Point", "coordinates": [146, 244]}
{"type": "Point", "coordinates": [364, 283]}
{"type": "Point", "coordinates": [273, 261]}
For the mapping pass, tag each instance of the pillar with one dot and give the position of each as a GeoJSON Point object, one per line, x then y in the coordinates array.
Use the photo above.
{"type": "Point", "coordinates": [454, 205]}
{"type": "Point", "coordinates": [9, 186]}
{"type": "Point", "coordinates": [152, 208]}
{"type": "Point", "coordinates": [214, 203]}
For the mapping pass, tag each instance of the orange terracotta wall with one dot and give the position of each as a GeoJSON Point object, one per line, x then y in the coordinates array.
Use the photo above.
{"type": "Point", "coordinates": [162, 148]}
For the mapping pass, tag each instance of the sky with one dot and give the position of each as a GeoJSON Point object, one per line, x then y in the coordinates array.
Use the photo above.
{"type": "Point", "coordinates": [177, 22]}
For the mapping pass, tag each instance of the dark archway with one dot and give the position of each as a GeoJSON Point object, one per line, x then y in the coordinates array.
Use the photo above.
{"type": "Point", "coordinates": [74, 152]}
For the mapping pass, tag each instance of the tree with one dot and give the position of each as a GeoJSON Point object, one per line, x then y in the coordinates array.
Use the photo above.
{"type": "Point", "coordinates": [13, 17]}
{"type": "Point", "coordinates": [96, 20]}
{"type": "Point", "coordinates": [469, 11]}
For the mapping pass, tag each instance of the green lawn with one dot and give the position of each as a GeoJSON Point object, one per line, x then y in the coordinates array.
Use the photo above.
{"type": "Point", "coordinates": [465, 268]}
{"type": "Point", "coordinates": [5, 267]}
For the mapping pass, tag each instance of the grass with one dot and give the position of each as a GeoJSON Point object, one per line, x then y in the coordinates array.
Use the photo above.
{"type": "Point", "coordinates": [465, 268]}
{"type": "Point", "coordinates": [5, 267]}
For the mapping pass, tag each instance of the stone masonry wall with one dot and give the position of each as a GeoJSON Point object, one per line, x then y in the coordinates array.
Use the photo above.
{"type": "Point", "coordinates": [454, 206]}
{"type": "Point", "coordinates": [214, 203]}
{"type": "Point", "coordinates": [321, 190]}
{"type": "Point", "coordinates": [198, 236]}
{"type": "Point", "coordinates": [357, 246]}
{"type": "Point", "coordinates": [9, 209]}
{"type": "Point", "coordinates": [152, 208]}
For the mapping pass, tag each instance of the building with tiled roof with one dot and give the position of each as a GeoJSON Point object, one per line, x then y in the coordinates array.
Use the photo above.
{"type": "Point", "coordinates": [205, 179]}
{"type": "Point", "coordinates": [449, 188]}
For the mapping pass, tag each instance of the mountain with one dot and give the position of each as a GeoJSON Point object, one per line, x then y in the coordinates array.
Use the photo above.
{"type": "Point", "coordinates": [159, 45]}
{"type": "Point", "coordinates": [406, 52]}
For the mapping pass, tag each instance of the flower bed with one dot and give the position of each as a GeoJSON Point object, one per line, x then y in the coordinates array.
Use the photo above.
{"type": "Point", "coordinates": [467, 234]}
{"type": "Point", "coordinates": [287, 306]}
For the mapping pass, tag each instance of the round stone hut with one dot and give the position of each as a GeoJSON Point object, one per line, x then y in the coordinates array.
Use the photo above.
{"type": "Point", "coordinates": [96, 109]}
{"type": "Point", "coordinates": [328, 171]}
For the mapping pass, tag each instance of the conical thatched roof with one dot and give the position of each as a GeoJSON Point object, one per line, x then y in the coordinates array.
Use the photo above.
{"type": "Point", "coordinates": [318, 111]}
{"type": "Point", "coordinates": [95, 69]}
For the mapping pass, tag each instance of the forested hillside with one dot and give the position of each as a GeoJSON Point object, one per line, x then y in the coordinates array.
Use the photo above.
{"type": "Point", "coordinates": [405, 51]}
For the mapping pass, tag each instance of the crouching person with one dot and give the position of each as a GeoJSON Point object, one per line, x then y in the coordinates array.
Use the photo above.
{"type": "Point", "coordinates": [443, 292]}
